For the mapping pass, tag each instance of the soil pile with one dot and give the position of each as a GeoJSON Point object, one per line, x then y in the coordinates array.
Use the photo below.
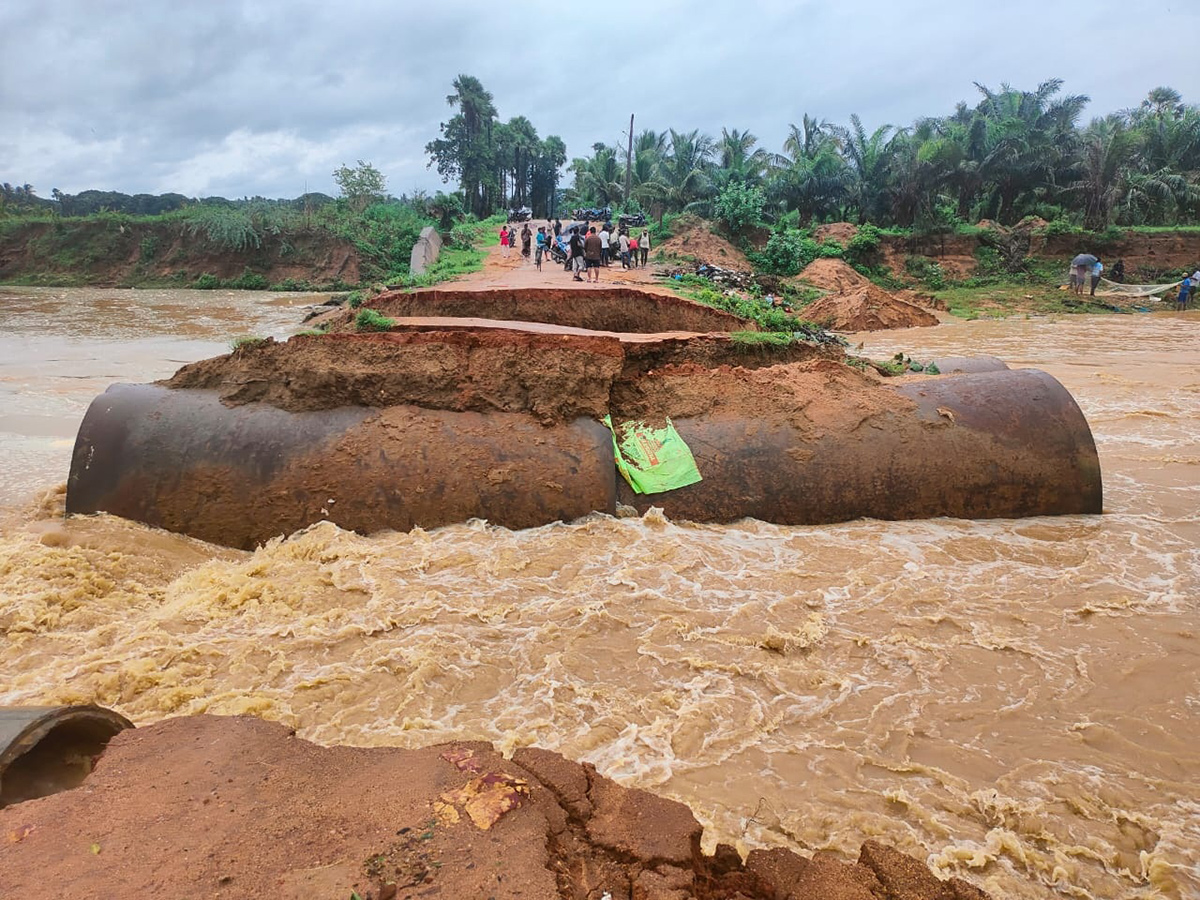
{"type": "Point", "coordinates": [693, 238]}
{"type": "Point", "coordinates": [842, 232]}
{"type": "Point", "coordinates": [555, 377]}
{"type": "Point", "coordinates": [833, 275]}
{"type": "Point", "coordinates": [867, 308]}
{"type": "Point", "coordinates": [240, 807]}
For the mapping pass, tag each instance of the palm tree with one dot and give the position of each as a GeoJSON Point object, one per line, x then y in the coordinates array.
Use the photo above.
{"type": "Point", "coordinates": [1029, 141]}
{"type": "Point", "coordinates": [685, 169]}
{"type": "Point", "coordinates": [738, 159]}
{"type": "Point", "coordinates": [868, 157]}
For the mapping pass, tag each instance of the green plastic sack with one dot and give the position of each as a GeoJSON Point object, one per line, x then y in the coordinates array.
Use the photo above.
{"type": "Point", "coordinates": [652, 460]}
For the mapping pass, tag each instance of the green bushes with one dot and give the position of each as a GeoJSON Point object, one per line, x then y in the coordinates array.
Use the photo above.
{"type": "Point", "coordinates": [926, 271]}
{"type": "Point", "coordinates": [249, 281]}
{"type": "Point", "coordinates": [788, 252]}
{"type": "Point", "coordinates": [862, 248]}
{"type": "Point", "coordinates": [206, 282]}
{"type": "Point", "coordinates": [740, 206]}
{"type": "Point", "coordinates": [372, 320]}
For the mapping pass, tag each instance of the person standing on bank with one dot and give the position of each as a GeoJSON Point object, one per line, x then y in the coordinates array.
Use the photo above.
{"type": "Point", "coordinates": [576, 260]}
{"type": "Point", "coordinates": [1097, 270]}
{"type": "Point", "coordinates": [604, 237]}
{"type": "Point", "coordinates": [644, 246]}
{"type": "Point", "coordinates": [540, 248]}
{"type": "Point", "coordinates": [505, 238]}
{"type": "Point", "coordinates": [623, 243]}
{"type": "Point", "coordinates": [633, 251]}
{"type": "Point", "coordinates": [1185, 290]}
{"type": "Point", "coordinates": [591, 255]}
{"type": "Point", "coordinates": [526, 238]}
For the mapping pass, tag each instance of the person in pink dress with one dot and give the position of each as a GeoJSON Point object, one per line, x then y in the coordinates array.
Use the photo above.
{"type": "Point", "coordinates": [505, 240]}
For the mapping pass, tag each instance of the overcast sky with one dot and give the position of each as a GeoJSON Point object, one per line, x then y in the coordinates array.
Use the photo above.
{"type": "Point", "coordinates": [245, 97]}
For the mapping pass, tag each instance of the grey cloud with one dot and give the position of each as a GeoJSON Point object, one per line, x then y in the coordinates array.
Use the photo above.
{"type": "Point", "coordinates": [242, 97]}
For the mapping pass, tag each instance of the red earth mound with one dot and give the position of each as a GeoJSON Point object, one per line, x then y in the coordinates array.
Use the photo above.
{"type": "Point", "coordinates": [841, 232]}
{"type": "Point", "coordinates": [867, 308]}
{"type": "Point", "coordinates": [239, 807]}
{"type": "Point", "coordinates": [832, 275]}
{"type": "Point", "coordinates": [693, 238]}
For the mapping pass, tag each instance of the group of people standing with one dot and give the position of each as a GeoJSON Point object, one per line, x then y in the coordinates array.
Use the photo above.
{"type": "Point", "coordinates": [1082, 272]}
{"type": "Point", "coordinates": [585, 249]}
{"type": "Point", "coordinates": [508, 240]}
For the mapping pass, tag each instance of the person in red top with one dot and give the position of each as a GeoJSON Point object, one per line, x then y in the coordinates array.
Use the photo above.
{"type": "Point", "coordinates": [592, 254]}
{"type": "Point", "coordinates": [633, 251]}
{"type": "Point", "coordinates": [504, 240]}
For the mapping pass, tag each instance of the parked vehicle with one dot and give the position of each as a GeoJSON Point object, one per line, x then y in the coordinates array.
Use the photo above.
{"type": "Point", "coordinates": [524, 214]}
{"type": "Point", "coordinates": [593, 214]}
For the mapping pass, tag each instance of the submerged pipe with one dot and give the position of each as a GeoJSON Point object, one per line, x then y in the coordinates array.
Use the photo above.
{"type": "Point", "coordinates": [993, 444]}
{"type": "Point", "coordinates": [239, 476]}
{"type": "Point", "coordinates": [969, 365]}
{"type": "Point", "coordinates": [47, 749]}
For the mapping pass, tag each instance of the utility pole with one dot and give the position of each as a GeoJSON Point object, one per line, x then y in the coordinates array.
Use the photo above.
{"type": "Point", "coordinates": [629, 161]}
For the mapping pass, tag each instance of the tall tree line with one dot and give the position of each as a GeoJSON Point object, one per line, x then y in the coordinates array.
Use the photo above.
{"type": "Point", "coordinates": [1014, 153]}
{"type": "Point", "coordinates": [496, 164]}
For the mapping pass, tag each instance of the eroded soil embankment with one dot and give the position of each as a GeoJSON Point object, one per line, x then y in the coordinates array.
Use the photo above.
{"type": "Point", "coordinates": [552, 377]}
{"type": "Point", "coordinates": [188, 807]}
{"type": "Point", "coordinates": [110, 253]}
{"type": "Point", "coordinates": [607, 309]}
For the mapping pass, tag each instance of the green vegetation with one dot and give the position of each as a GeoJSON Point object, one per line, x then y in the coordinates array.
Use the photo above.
{"type": "Point", "coordinates": [768, 318]}
{"type": "Point", "coordinates": [249, 342]}
{"type": "Point", "coordinates": [1015, 153]}
{"type": "Point", "coordinates": [764, 338]}
{"type": "Point", "coordinates": [788, 251]}
{"type": "Point", "coordinates": [372, 320]}
{"type": "Point", "coordinates": [496, 164]}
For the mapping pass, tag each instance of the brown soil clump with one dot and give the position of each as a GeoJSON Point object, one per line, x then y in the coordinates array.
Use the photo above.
{"type": "Point", "coordinates": [815, 397]}
{"type": "Point", "coordinates": [239, 807]}
{"type": "Point", "coordinates": [833, 275]}
{"type": "Point", "coordinates": [693, 238]}
{"type": "Point", "coordinates": [555, 377]}
{"type": "Point", "coordinates": [868, 308]}
{"type": "Point", "coordinates": [842, 232]}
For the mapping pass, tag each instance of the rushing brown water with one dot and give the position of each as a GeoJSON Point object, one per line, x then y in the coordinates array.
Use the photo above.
{"type": "Point", "coordinates": [1014, 701]}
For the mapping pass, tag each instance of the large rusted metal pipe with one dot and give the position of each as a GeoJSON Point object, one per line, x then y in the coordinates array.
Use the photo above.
{"type": "Point", "coordinates": [47, 749]}
{"type": "Point", "coordinates": [1001, 444]}
{"type": "Point", "coordinates": [994, 444]}
{"type": "Point", "coordinates": [238, 476]}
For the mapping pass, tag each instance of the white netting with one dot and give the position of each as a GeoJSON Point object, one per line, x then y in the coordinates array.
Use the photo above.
{"type": "Point", "coordinates": [1108, 288]}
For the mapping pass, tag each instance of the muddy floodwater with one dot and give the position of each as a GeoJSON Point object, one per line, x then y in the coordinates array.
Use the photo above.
{"type": "Point", "coordinates": [1017, 702]}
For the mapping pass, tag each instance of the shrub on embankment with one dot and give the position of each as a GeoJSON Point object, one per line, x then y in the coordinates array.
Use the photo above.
{"type": "Point", "coordinates": [251, 246]}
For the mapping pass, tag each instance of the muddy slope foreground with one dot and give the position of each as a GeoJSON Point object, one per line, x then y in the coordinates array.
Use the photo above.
{"type": "Point", "coordinates": [243, 808]}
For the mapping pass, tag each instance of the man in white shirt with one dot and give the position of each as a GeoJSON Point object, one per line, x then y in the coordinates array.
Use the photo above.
{"type": "Point", "coordinates": [604, 236]}
{"type": "Point", "coordinates": [1097, 268]}
{"type": "Point", "coordinates": [624, 244]}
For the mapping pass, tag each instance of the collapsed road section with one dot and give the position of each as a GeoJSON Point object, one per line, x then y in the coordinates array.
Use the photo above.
{"type": "Point", "coordinates": [528, 421]}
